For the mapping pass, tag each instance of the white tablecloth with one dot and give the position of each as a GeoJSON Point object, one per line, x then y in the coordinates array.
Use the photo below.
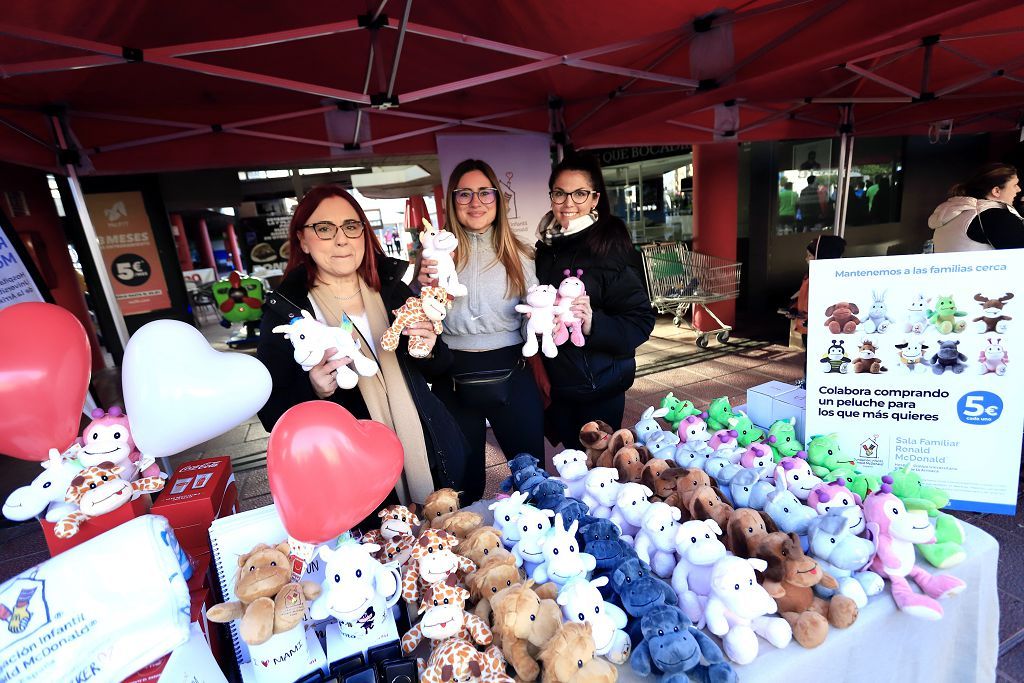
{"type": "Point", "coordinates": [888, 645]}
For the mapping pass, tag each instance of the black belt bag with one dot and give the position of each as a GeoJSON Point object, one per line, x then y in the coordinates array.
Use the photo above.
{"type": "Point", "coordinates": [486, 387]}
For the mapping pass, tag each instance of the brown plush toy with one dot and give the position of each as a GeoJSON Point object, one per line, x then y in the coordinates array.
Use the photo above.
{"type": "Point", "coordinates": [842, 318]}
{"type": "Point", "coordinates": [685, 482]}
{"type": "Point", "coordinates": [650, 477]}
{"type": "Point", "coordinates": [268, 602]}
{"type": "Point", "coordinates": [745, 529]}
{"type": "Point", "coordinates": [622, 438]}
{"type": "Point", "coordinates": [594, 436]}
{"type": "Point", "coordinates": [493, 575]}
{"type": "Point", "coordinates": [790, 579]}
{"type": "Point", "coordinates": [481, 544]}
{"type": "Point", "coordinates": [630, 463]}
{"type": "Point", "coordinates": [461, 523]}
{"type": "Point", "coordinates": [438, 504]}
{"type": "Point", "coordinates": [707, 503]}
{"type": "Point", "coordinates": [569, 657]}
{"type": "Point", "coordinates": [523, 623]}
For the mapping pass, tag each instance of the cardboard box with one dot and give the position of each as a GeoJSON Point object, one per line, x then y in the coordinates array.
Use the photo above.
{"type": "Point", "coordinates": [195, 538]}
{"type": "Point", "coordinates": [792, 404]}
{"type": "Point", "coordinates": [91, 528]}
{"type": "Point", "coordinates": [200, 571]}
{"type": "Point", "coordinates": [759, 401]}
{"type": "Point", "coordinates": [195, 493]}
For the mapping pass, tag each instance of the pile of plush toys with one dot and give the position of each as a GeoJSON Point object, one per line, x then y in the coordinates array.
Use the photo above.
{"type": "Point", "coordinates": [99, 473]}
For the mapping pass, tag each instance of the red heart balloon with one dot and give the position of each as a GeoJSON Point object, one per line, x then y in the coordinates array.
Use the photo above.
{"type": "Point", "coordinates": [44, 377]}
{"type": "Point", "coordinates": [328, 470]}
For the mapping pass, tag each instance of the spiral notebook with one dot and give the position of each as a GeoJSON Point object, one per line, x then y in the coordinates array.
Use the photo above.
{"type": "Point", "coordinates": [234, 536]}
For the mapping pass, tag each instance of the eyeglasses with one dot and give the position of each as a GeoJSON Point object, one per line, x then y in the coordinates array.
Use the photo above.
{"type": "Point", "coordinates": [327, 230]}
{"type": "Point", "coordinates": [578, 196]}
{"type": "Point", "coordinates": [487, 195]}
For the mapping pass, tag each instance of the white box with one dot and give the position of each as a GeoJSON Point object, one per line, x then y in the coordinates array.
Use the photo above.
{"type": "Point", "coordinates": [792, 404]}
{"type": "Point", "coordinates": [759, 401]}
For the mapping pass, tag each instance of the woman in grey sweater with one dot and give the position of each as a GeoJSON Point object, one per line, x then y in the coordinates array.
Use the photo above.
{"type": "Point", "coordinates": [489, 379]}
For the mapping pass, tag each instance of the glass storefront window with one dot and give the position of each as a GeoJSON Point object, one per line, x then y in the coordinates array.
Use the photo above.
{"type": "Point", "coordinates": [653, 196]}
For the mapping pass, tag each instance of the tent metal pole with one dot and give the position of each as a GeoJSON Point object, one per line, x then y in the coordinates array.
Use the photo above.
{"type": "Point", "coordinates": [882, 80]}
{"type": "Point", "coordinates": [926, 68]}
{"type": "Point", "coordinates": [398, 47]}
{"type": "Point", "coordinates": [258, 40]}
{"type": "Point", "coordinates": [91, 238]}
{"type": "Point", "coordinates": [837, 228]}
{"type": "Point", "coordinates": [846, 192]}
{"type": "Point", "coordinates": [45, 66]}
{"type": "Point", "coordinates": [18, 129]}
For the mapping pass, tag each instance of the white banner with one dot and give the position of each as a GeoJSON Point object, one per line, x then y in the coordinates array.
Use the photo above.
{"type": "Point", "coordinates": [522, 164]}
{"type": "Point", "coordinates": [908, 362]}
{"type": "Point", "coordinates": [16, 283]}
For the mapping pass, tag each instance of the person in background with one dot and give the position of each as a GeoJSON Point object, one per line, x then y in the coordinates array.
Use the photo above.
{"type": "Point", "coordinates": [821, 247]}
{"type": "Point", "coordinates": [579, 233]}
{"type": "Point", "coordinates": [787, 206]}
{"type": "Point", "coordinates": [979, 213]}
{"type": "Point", "coordinates": [488, 380]}
{"type": "Point", "coordinates": [809, 205]}
{"type": "Point", "coordinates": [338, 270]}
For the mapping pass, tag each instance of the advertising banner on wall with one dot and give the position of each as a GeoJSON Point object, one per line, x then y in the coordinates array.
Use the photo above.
{"type": "Point", "coordinates": [16, 283]}
{"type": "Point", "coordinates": [265, 241]}
{"type": "Point", "coordinates": [908, 362]}
{"type": "Point", "coordinates": [521, 163]}
{"type": "Point", "coordinates": [129, 251]}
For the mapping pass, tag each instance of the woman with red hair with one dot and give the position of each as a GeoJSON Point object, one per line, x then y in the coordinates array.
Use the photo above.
{"type": "Point", "coordinates": [337, 269]}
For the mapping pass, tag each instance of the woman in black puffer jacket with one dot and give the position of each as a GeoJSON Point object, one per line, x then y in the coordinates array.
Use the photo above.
{"type": "Point", "coordinates": [590, 382]}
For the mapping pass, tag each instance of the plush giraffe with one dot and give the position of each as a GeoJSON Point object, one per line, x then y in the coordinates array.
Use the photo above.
{"type": "Point", "coordinates": [397, 550]}
{"type": "Point", "coordinates": [457, 660]}
{"type": "Point", "coordinates": [396, 520]}
{"type": "Point", "coordinates": [432, 562]}
{"type": "Point", "coordinates": [432, 306]}
{"type": "Point", "coordinates": [98, 490]}
{"type": "Point", "coordinates": [445, 616]}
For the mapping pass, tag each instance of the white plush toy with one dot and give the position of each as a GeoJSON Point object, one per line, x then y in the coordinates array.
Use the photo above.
{"type": "Point", "coordinates": [693, 442]}
{"type": "Point", "coordinates": [844, 555]}
{"type": "Point", "coordinates": [655, 543]}
{"type": "Point", "coordinates": [648, 424]}
{"type": "Point", "coordinates": [569, 326]}
{"type": "Point", "coordinates": [572, 471]}
{"type": "Point", "coordinates": [632, 501]}
{"type": "Point", "coordinates": [699, 549]}
{"type": "Point", "coordinates": [356, 585]}
{"type": "Point", "coordinates": [439, 245]}
{"type": "Point", "coordinates": [533, 525]}
{"type": "Point", "coordinates": [662, 445]}
{"type": "Point", "coordinates": [582, 602]}
{"type": "Point", "coordinates": [45, 492]}
{"type": "Point", "coordinates": [540, 305]}
{"type": "Point", "coordinates": [311, 338]}
{"type": "Point", "coordinates": [796, 475]}
{"type": "Point", "coordinates": [600, 490]}
{"type": "Point", "coordinates": [506, 516]}
{"type": "Point", "coordinates": [724, 443]}
{"type": "Point", "coordinates": [737, 609]}
{"type": "Point", "coordinates": [563, 560]}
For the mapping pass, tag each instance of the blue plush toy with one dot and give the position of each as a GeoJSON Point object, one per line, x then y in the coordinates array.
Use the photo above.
{"type": "Point", "coordinates": [673, 647]}
{"type": "Point", "coordinates": [601, 539]}
{"type": "Point", "coordinates": [639, 591]}
{"type": "Point", "coordinates": [520, 462]}
{"type": "Point", "coordinates": [549, 494]}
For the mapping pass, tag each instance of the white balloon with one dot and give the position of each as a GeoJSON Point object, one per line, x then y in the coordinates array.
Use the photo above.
{"type": "Point", "coordinates": [180, 392]}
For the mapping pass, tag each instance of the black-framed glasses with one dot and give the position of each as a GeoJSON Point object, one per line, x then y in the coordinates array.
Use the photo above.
{"type": "Point", "coordinates": [578, 196]}
{"type": "Point", "coordinates": [327, 230]}
{"type": "Point", "coordinates": [463, 196]}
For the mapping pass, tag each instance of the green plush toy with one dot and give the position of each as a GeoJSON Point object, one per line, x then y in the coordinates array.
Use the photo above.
{"type": "Point", "coordinates": [947, 551]}
{"type": "Point", "coordinates": [746, 432]}
{"type": "Point", "coordinates": [678, 410]}
{"type": "Point", "coordinates": [782, 439]}
{"type": "Point", "coordinates": [861, 484]}
{"type": "Point", "coordinates": [719, 413]}
{"type": "Point", "coordinates": [945, 315]}
{"type": "Point", "coordinates": [240, 299]}
{"type": "Point", "coordinates": [824, 454]}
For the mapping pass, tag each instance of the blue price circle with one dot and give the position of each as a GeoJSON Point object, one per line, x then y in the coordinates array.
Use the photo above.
{"type": "Point", "coordinates": [979, 407]}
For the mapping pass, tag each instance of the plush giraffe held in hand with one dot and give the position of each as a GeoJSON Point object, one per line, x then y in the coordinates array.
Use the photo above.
{"type": "Point", "coordinates": [98, 490]}
{"type": "Point", "coordinates": [432, 306]}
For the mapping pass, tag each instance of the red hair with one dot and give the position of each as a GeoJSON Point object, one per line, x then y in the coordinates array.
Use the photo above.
{"type": "Point", "coordinates": [298, 258]}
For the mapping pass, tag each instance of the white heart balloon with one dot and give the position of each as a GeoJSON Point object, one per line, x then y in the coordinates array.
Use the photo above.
{"type": "Point", "coordinates": [180, 392]}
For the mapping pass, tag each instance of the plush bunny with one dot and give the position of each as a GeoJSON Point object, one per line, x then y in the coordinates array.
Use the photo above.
{"type": "Point", "coordinates": [542, 309]}
{"type": "Point", "coordinates": [648, 425]}
{"type": "Point", "coordinates": [570, 288]}
{"type": "Point", "coordinates": [878, 320]}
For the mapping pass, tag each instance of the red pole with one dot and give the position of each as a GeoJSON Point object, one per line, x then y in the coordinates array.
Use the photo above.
{"type": "Point", "coordinates": [236, 255]}
{"type": "Point", "coordinates": [206, 247]}
{"type": "Point", "coordinates": [439, 203]}
{"type": "Point", "coordinates": [181, 240]}
{"type": "Point", "coordinates": [715, 199]}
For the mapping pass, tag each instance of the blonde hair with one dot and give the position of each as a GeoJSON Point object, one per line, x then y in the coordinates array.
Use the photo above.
{"type": "Point", "coordinates": [507, 247]}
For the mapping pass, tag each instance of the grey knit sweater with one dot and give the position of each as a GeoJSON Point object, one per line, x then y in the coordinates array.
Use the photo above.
{"type": "Point", "coordinates": [486, 318]}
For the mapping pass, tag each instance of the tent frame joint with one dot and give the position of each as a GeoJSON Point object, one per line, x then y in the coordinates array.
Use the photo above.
{"type": "Point", "coordinates": [383, 101]}
{"type": "Point", "coordinates": [133, 54]}
{"type": "Point", "coordinates": [373, 23]}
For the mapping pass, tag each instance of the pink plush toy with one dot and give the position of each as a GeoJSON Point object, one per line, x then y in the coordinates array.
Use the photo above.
{"type": "Point", "coordinates": [895, 531]}
{"type": "Point", "coordinates": [797, 475]}
{"type": "Point", "coordinates": [570, 288]}
{"type": "Point", "coordinates": [724, 443]}
{"type": "Point", "coordinates": [759, 456]}
{"type": "Point", "coordinates": [108, 438]}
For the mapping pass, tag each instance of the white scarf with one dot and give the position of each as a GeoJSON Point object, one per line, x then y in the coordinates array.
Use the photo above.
{"type": "Point", "coordinates": [551, 229]}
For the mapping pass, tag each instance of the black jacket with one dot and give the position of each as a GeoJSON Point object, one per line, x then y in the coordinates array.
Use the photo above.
{"type": "Point", "coordinates": [291, 384]}
{"type": "Point", "coordinates": [623, 318]}
{"type": "Point", "coordinates": [997, 227]}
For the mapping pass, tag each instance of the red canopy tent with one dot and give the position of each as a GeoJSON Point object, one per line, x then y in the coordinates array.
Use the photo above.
{"type": "Point", "coordinates": [145, 86]}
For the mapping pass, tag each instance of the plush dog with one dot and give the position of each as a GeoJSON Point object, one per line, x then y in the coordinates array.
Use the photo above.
{"type": "Point", "coordinates": [268, 602]}
{"type": "Point", "coordinates": [569, 657]}
{"type": "Point", "coordinates": [745, 531]}
{"type": "Point", "coordinates": [992, 318]}
{"type": "Point", "coordinates": [842, 318]}
{"type": "Point", "coordinates": [948, 357]}
{"type": "Point", "coordinates": [619, 440]}
{"type": "Point", "coordinates": [685, 482]}
{"type": "Point", "coordinates": [673, 648]}
{"type": "Point", "coordinates": [523, 623]}
{"type": "Point", "coordinates": [706, 503]}
{"type": "Point", "coordinates": [594, 436]}
{"type": "Point", "coordinates": [630, 464]}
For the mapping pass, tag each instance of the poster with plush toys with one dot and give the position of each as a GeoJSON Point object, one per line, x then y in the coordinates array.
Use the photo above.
{"type": "Point", "coordinates": [909, 361]}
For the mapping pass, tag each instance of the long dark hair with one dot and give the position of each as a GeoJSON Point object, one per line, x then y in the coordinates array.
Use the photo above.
{"type": "Point", "coordinates": [609, 234]}
{"type": "Point", "coordinates": [984, 179]}
{"type": "Point", "coordinates": [507, 246]}
{"type": "Point", "coordinates": [298, 258]}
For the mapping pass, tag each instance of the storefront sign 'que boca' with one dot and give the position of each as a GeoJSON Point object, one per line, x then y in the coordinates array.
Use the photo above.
{"type": "Point", "coordinates": [909, 363]}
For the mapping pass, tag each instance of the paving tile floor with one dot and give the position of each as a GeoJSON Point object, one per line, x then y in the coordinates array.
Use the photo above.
{"type": "Point", "coordinates": [670, 361]}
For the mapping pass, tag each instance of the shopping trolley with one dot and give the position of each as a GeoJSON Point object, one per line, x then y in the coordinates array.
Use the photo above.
{"type": "Point", "coordinates": [678, 278]}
